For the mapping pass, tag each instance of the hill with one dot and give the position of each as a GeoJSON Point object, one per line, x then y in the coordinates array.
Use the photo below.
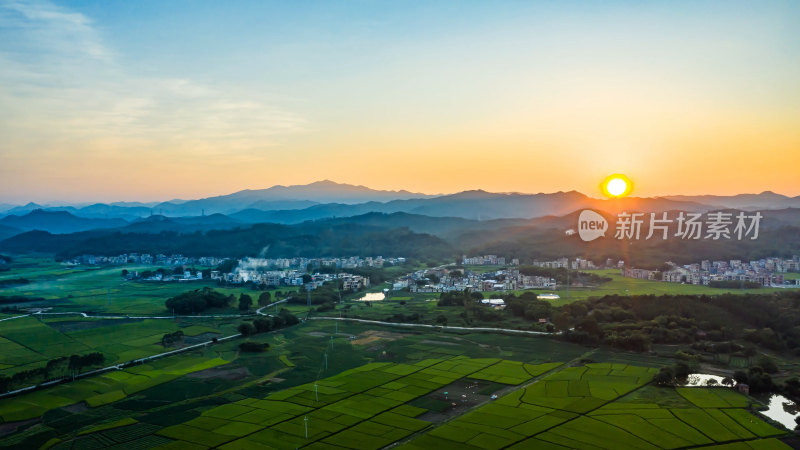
{"type": "Point", "coordinates": [764, 200]}
{"type": "Point", "coordinates": [411, 235]}
{"type": "Point", "coordinates": [265, 240]}
{"type": "Point", "coordinates": [58, 222]}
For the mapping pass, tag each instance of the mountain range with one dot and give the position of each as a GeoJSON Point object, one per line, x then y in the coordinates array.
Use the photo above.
{"type": "Point", "coordinates": [478, 220]}
{"type": "Point", "coordinates": [323, 199]}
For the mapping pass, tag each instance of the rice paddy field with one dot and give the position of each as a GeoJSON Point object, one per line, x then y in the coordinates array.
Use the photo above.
{"type": "Point", "coordinates": [29, 342]}
{"type": "Point", "coordinates": [335, 385]}
{"type": "Point", "coordinates": [380, 387]}
{"type": "Point", "coordinates": [542, 405]}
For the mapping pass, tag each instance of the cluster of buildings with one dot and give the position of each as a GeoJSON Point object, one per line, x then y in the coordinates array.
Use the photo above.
{"type": "Point", "coordinates": [350, 282]}
{"type": "Point", "coordinates": [766, 272]}
{"type": "Point", "coordinates": [162, 275]}
{"type": "Point", "coordinates": [145, 258]}
{"type": "Point", "coordinates": [575, 264]}
{"type": "Point", "coordinates": [350, 262]}
{"type": "Point", "coordinates": [487, 260]}
{"type": "Point", "coordinates": [446, 280]}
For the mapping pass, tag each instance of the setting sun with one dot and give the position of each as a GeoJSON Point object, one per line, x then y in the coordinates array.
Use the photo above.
{"type": "Point", "coordinates": [616, 186]}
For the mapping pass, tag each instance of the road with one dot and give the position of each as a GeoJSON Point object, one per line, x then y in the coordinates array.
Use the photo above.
{"type": "Point", "coordinates": [118, 366]}
{"type": "Point", "coordinates": [259, 312]}
{"type": "Point", "coordinates": [440, 327]}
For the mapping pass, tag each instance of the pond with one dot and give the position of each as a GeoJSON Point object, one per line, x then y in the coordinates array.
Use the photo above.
{"type": "Point", "coordinates": [372, 297]}
{"type": "Point", "coordinates": [782, 410]}
{"type": "Point", "coordinates": [702, 380]}
{"type": "Point", "coordinates": [779, 408]}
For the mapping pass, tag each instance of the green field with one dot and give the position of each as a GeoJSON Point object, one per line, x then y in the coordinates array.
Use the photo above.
{"type": "Point", "coordinates": [100, 289]}
{"type": "Point", "coordinates": [632, 286]}
{"type": "Point", "coordinates": [102, 389]}
{"type": "Point", "coordinates": [367, 408]}
{"type": "Point", "coordinates": [584, 407]}
{"type": "Point", "coordinates": [28, 342]}
{"type": "Point", "coordinates": [358, 385]}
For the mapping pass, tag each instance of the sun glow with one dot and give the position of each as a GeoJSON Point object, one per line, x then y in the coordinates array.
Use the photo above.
{"type": "Point", "coordinates": [616, 186]}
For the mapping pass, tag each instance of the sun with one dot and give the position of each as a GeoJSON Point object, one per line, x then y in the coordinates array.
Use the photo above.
{"type": "Point", "coordinates": [616, 186]}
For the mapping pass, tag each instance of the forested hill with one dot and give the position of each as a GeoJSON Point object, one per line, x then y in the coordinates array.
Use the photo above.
{"type": "Point", "coordinates": [402, 234]}
{"type": "Point", "coordinates": [266, 240]}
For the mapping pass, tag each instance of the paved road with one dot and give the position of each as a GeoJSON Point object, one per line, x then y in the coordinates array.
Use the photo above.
{"type": "Point", "coordinates": [259, 310]}
{"type": "Point", "coordinates": [439, 327]}
{"type": "Point", "coordinates": [119, 366]}
{"type": "Point", "coordinates": [100, 316]}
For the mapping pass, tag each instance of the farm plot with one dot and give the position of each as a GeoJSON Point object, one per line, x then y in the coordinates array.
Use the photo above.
{"type": "Point", "coordinates": [581, 389]}
{"type": "Point", "coordinates": [513, 372]}
{"type": "Point", "coordinates": [370, 407]}
{"type": "Point", "coordinates": [42, 341]}
{"type": "Point", "coordinates": [103, 389]}
{"type": "Point", "coordinates": [365, 405]}
{"type": "Point", "coordinates": [578, 407]}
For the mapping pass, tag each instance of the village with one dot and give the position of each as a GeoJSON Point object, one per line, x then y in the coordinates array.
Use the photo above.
{"type": "Point", "coordinates": [767, 272]}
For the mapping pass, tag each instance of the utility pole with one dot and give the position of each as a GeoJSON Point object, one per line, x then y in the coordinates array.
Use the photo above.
{"type": "Point", "coordinates": [305, 419]}
{"type": "Point", "coordinates": [316, 392]}
{"type": "Point", "coordinates": [326, 360]}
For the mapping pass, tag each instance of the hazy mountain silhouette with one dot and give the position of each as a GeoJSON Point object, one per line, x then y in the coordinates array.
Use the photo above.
{"type": "Point", "coordinates": [58, 222]}
{"type": "Point", "coordinates": [764, 200]}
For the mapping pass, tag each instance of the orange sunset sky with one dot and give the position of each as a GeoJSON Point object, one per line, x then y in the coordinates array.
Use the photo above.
{"type": "Point", "coordinates": [157, 100]}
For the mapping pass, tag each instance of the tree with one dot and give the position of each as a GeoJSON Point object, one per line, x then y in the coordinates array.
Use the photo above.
{"type": "Point", "coordinates": [247, 329]}
{"type": "Point", "coordinates": [767, 364]}
{"type": "Point", "coordinates": [441, 319]}
{"type": "Point", "coordinates": [664, 377]}
{"type": "Point", "coordinates": [741, 376]}
{"type": "Point", "coordinates": [306, 278]}
{"type": "Point", "coordinates": [197, 300]}
{"type": "Point", "coordinates": [264, 299]}
{"type": "Point", "coordinates": [245, 302]}
{"type": "Point", "coordinates": [288, 318]}
{"type": "Point", "coordinates": [253, 346]}
{"type": "Point", "coordinates": [727, 381]}
{"type": "Point", "coordinates": [170, 339]}
{"type": "Point", "coordinates": [263, 324]}
{"type": "Point", "coordinates": [124, 272]}
{"type": "Point", "coordinates": [682, 370]}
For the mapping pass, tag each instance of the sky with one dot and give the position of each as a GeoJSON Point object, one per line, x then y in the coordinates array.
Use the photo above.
{"type": "Point", "coordinates": [154, 100]}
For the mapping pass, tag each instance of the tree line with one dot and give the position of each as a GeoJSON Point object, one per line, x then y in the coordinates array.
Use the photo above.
{"type": "Point", "coordinates": [55, 368]}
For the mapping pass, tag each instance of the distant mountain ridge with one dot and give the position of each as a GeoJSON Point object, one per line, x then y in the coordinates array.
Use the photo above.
{"type": "Point", "coordinates": [328, 199]}
{"type": "Point", "coordinates": [408, 235]}
{"type": "Point", "coordinates": [58, 222]}
{"type": "Point", "coordinates": [766, 200]}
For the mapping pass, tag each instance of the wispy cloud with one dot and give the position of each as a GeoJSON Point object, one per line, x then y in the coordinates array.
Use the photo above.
{"type": "Point", "coordinates": [62, 88]}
